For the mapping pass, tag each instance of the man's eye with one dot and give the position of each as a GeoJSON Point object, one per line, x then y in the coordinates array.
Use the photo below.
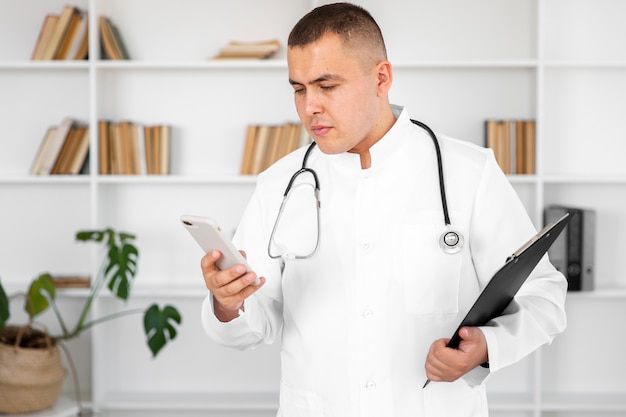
{"type": "Point", "coordinates": [298, 90]}
{"type": "Point", "coordinates": [327, 87]}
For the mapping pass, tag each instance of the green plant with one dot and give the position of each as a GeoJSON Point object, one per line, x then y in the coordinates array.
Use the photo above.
{"type": "Point", "coordinates": [117, 271]}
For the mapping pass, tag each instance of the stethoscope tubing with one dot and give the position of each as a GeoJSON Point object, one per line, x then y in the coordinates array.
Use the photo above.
{"type": "Point", "coordinates": [450, 241]}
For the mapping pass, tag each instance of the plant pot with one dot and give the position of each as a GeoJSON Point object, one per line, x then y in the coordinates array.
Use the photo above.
{"type": "Point", "coordinates": [31, 377]}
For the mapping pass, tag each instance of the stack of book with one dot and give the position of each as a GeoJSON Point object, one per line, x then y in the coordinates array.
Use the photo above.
{"type": "Point", "coordinates": [71, 281]}
{"type": "Point", "coordinates": [63, 150]}
{"type": "Point", "coordinates": [265, 144]}
{"type": "Point", "coordinates": [111, 41]}
{"type": "Point", "coordinates": [513, 144]}
{"type": "Point", "coordinates": [249, 50]}
{"type": "Point", "coordinates": [63, 36]}
{"type": "Point", "coordinates": [126, 148]}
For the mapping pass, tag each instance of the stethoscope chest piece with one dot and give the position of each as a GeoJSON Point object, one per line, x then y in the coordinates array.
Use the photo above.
{"type": "Point", "coordinates": [451, 242]}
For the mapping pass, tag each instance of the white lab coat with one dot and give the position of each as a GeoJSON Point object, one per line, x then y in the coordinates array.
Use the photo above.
{"type": "Point", "coordinates": [357, 319]}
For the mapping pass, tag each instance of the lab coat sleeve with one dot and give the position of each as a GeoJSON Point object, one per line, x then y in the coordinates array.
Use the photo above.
{"type": "Point", "coordinates": [499, 226]}
{"type": "Point", "coordinates": [243, 332]}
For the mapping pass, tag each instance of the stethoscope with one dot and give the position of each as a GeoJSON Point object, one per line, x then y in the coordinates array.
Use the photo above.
{"type": "Point", "coordinates": [450, 241]}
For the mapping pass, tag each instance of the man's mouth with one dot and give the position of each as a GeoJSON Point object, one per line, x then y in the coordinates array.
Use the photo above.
{"type": "Point", "coordinates": [319, 130]}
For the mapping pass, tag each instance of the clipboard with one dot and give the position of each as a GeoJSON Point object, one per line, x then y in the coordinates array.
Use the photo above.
{"type": "Point", "coordinates": [507, 281]}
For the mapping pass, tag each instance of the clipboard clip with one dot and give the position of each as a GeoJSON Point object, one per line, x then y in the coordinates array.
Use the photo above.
{"type": "Point", "coordinates": [543, 232]}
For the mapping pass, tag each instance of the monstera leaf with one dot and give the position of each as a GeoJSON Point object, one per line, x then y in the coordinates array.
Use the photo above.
{"type": "Point", "coordinates": [40, 293]}
{"type": "Point", "coordinates": [120, 264]}
{"type": "Point", "coordinates": [121, 269]}
{"type": "Point", "coordinates": [159, 326]}
{"type": "Point", "coordinates": [4, 307]}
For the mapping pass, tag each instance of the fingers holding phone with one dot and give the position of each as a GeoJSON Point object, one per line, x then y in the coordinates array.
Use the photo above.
{"type": "Point", "coordinates": [225, 269]}
{"type": "Point", "coordinates": [230, 287]}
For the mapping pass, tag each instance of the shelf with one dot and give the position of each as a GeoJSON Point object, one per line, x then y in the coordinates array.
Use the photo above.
{"type": "Point", "coordinates": [23, 179]}
{"type": "Point", "coordinates": [608, 293]}
{"type": "Point", "coordinates": [177, 179]}
{"type": "Point", "coordinates": [44, 65]}
{"type": "Point", "coordinates": [600, 65]}
{"type": "Point", "coordinates": [129, 179]}
{"type": "Point", "coordinates": [193, 65]}
{"type": "Point", "coordinates": [509, 401]}
{"type": "Point", "coordinates": [255, 64]}
{"type": "Point", "coordinates": [466, 64]}
{"type": "Point", "coordinates": [583, 180]}
{"type": "Point", "coordinates": [185, 401]}
{"type": "Point", "coordinates": [64, 407]}
{"type": "Point", "coordinates": [584, 402]}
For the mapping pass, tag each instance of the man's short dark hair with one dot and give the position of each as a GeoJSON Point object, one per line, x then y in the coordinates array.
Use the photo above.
{"type": "Point", "coordinates": [353, 24]}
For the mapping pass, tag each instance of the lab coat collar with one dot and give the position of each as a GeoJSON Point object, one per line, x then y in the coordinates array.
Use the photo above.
{"type": "Point", "coordinates": [387, 146]}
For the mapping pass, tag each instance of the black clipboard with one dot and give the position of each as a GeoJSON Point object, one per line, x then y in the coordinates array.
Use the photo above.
{"type": "Point", "coordinates": [505, 283]}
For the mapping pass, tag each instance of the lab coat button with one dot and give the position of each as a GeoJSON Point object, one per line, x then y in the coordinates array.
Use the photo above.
{"type": "Point", "coordinates": [370, 385]}
{"type": "Point", "coordinates": [368, 314]}
{"type": "Point", "coordinates": [365, 245]}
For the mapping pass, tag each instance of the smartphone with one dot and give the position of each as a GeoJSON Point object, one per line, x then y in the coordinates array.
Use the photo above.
{"type": "Point", "coordinates": [209, 236]}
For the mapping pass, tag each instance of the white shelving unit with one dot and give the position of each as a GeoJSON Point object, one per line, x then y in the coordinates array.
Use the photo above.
{"type": "Point", "coordinates": [456, 63]}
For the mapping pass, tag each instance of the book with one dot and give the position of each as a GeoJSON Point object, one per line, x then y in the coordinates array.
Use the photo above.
{"type": "Point", "coordinates": [513, 144]}
{"type": "Point", "coordinates": [525, 146]}
{"type": "Point", "coordinates": [43, 149]}
{"type": "Point", "coordinates": [249, 50]}
{"type": "Point", "coordinates": [62, 160]}
{"type": "Point", "coordinates": [77, 161]}
{"type": "Point", "coordinates": [248, 150]}
{"type": "Point", "coordinates": [82, 49]}
{"type": "Point", "coordinates": [60, 31]}
{"type": "Point", "coordinates": [111, 40]}
{"type": "Point", "coordinates": [265, 144]}
{"type": "Point", "coordinates": [45, 34]}
{"type": "Point", "coordinates": [130, 147]}
{"type": "Point", "coordinates": [70, 155]}
{"type": "Point", "coordinates": [127, 148]}
{"type": "Point", "coordinates": [104, 166]}
{"type": "Point", "coordinates": [260, 148]}
{"type": "Point", "coordinates": [164, 149]}
{"type": "Point", "coordinates": [116, 150]}
{"type": "Point", "coordinates": [76, 43]}
{"type": "Point", "coordinates": [52, 147]}
{"type": "Point", "coordinates": [71, 36]}
{"type": "Point", "coordinates": [573, 254]}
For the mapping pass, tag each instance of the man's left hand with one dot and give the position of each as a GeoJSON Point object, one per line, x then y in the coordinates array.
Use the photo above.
{"type": "Point", "coordinates": [447, 364]}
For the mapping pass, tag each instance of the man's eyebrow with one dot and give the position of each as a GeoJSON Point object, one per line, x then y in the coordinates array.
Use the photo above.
{"type": "Point", "coordinates": [320, 79]}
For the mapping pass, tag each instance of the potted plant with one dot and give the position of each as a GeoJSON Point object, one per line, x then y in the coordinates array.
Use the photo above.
{"type": "Point", "coordinates": [31, 374]}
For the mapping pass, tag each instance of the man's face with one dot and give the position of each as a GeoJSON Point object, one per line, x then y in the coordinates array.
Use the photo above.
{"type": "Point", "coordinates": [337, 99]}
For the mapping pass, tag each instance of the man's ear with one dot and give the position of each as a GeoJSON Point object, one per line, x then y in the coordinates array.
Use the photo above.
{"type": "Point", "coordinates": [385, 77]}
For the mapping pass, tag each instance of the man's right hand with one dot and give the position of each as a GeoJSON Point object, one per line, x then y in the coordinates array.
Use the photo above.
{"type": "Point", "coordinates": [229, 287]}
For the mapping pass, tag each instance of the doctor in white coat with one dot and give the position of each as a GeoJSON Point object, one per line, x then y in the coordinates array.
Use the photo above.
{"type": "Point", "coordinates": [363, 299]}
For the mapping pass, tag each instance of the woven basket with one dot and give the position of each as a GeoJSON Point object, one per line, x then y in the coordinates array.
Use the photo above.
{"type": "Point", "coordinates": [30, 378]}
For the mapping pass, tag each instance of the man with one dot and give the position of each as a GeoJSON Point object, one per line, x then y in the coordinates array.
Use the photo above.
{"type": "Point", "coordinates": [364, 300]}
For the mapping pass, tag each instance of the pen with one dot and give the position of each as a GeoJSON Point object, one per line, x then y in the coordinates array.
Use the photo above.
{"type": "Point", "coordinates": [426, 383]}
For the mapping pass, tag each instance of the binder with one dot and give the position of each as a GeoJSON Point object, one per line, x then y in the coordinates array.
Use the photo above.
{"type": "Point", "coordinates": [507, 281]}
{"type": "Point", "coordinates": [573, 253]}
